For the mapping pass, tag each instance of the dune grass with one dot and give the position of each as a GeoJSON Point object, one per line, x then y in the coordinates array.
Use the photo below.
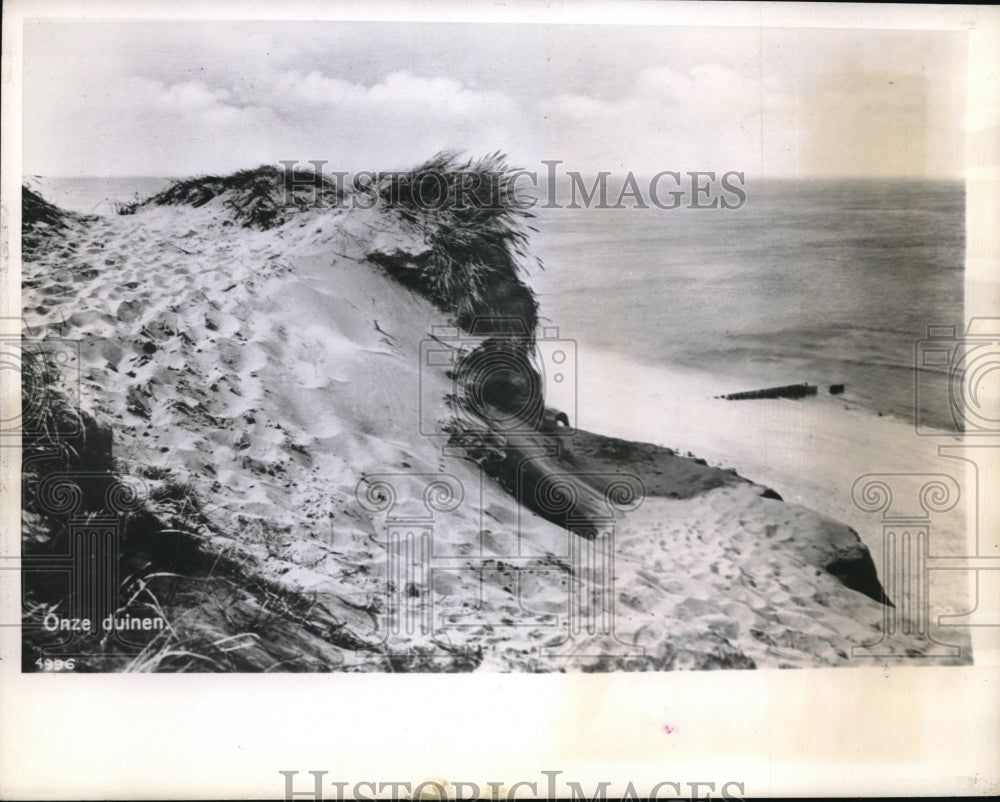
{"type": "Point", "coordinates": [41, 219]}
{"type": "Point", "coordinates": [477, 225]}
{"type": "Point", "coordinates": [35, 210]}
{"type": "Point", "coordinates": [258, 198]}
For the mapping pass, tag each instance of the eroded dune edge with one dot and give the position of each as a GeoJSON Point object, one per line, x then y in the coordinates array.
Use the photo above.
{"type": "Point", "coordinates": [318, 427]}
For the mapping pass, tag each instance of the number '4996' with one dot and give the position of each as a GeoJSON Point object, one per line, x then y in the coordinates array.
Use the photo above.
{"type": "Point", "coordinates": [55, 664]}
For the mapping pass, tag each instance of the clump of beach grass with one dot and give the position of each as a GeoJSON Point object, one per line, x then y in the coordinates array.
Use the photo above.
{"type": "Point", "coordinates": [41, 219]}
{"type": "Point", "coordinates": [35, 210]}
{"type": "Point", "coordinates": [258, 198]}
{"type": "Point", "coordinates": [477, 225]}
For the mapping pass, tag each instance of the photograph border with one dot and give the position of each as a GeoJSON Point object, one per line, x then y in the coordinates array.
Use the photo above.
{"type": "Point", "coordinates": [834, 732]}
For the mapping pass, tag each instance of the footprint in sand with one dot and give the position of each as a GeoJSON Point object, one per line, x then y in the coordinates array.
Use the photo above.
{"type": "Point", "coordinates": [128, 311]}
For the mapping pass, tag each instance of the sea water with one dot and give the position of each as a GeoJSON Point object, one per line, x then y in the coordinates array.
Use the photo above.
{"type": "Point", "coordinates": [95, 195]}
{"type": "Point", "coordinates": [826, 281]}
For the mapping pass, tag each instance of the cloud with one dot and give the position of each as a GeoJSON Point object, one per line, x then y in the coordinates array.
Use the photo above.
{"type": "Point", "coordinates": [707, 116]}
{"type": "Point", "coordinates": [184, 97]}
{"type": "Point", "coordinates": [192, 126]}
{"type": "Point", "coordinates": [178, 98]}
{"type": "Point", "coordinates": [398, 90]}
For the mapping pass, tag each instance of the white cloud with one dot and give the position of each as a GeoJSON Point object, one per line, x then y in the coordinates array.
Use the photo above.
{"type": "Point", "coordinates": [186, 96]}
{"type": "Point", "coordinates": [159, 98]}
{"type": "Point", "coordinates": [138, 125]}
{"type": "Point", "coordinates": [707, 116]}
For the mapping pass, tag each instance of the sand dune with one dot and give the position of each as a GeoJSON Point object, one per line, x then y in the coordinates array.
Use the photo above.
{"type": "Point", "coordinates": [268, 390]}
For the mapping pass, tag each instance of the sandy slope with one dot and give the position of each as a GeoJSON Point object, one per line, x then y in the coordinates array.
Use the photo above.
{"type": "Point", "coordinates": [811, 452]}
{"type": "Point", "coordinates": [264, 386]}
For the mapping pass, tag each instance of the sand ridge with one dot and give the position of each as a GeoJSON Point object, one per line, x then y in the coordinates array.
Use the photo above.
{"type": "Point", "coordinates": [261, 383]}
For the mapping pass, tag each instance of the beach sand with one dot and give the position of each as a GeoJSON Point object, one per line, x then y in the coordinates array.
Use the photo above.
{"type": "Point", "coordinates": [269, 395]}
{"type": "Point", "coordinates": [810, 451]}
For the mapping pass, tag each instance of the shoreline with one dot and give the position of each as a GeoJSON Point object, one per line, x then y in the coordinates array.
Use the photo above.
{"type": "Point", "coordinates": [809, 451]}
{"type": "Point", "coordinates": [675, 406]}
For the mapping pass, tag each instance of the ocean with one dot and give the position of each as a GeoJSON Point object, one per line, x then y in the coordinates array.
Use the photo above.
{"type": "Point", "coordinates": [821, 281]}
{"type": "Point", "coordinates": [827, 282]}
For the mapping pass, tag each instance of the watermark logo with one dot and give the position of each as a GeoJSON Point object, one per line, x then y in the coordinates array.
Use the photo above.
{"type": "Point", "coordinates": [88, 512]}
{"type": "Point", "coordinates": [957, 399]}
{"type": "Point", "coordinates": [497, 372]}
{"type": "Point", "coordinates": [45, 366]}
{"type": "Point", "coordinates": [316, 786]}
{"type": "Point", "coordinates": [407, 507]}
{"type": "Point", "coordinates": [906, 503]}
{"type": "Point", "coordinates": [971, 392]}
{"type": "Point", "coordinates": [434, 189]}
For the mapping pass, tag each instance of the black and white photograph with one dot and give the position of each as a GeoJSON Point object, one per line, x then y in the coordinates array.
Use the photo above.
{"type": "Point", "coordinates": [555, 345]}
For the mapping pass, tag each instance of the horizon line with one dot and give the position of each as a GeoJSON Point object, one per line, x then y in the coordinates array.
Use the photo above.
{"type": "Point", "coordinates": [564, 175]}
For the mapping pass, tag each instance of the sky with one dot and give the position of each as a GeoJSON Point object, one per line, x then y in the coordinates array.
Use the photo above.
{"type": "Point", "coordinates": [172, 98]}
